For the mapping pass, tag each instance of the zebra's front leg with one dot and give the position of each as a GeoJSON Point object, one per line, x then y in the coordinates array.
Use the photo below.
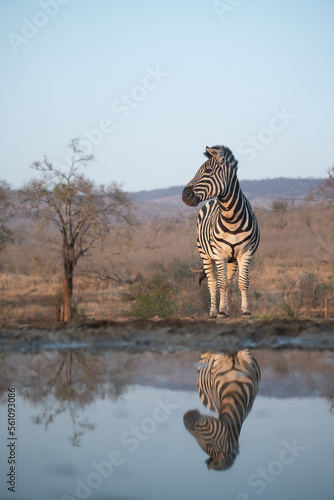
{"type": "Point", "coordinates": [209, 269]}
{"type": "Point", "coordinates": [223, 286]}
{"type": "Point", "coordinates": [243, 282]}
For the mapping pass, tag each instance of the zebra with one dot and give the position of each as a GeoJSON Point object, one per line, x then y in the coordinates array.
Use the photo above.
{"type": "Point", "coordinates": [227, 229]}
{"type": "Point", "coordinates": [227, 384]}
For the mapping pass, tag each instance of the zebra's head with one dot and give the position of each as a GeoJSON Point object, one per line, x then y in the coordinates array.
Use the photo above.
{"type": "Point", "coordinates": [214, 438]}
{"type": "Point", "coordinates": [213, 178]}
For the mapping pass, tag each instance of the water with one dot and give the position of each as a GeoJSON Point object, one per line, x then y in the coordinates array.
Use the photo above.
{"type": "Point", "coordinates": [109, 425]}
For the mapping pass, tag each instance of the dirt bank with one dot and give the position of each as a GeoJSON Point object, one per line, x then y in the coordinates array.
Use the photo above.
{"type": "Point", "coordinates": [167, 335]}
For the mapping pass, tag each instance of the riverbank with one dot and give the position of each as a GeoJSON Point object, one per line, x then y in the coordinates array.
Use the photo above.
{"type": "Point", "coordinates": [169, 335]}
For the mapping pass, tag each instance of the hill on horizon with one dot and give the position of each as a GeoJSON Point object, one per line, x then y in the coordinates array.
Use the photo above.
{"type": "Point", "coordinates": [261, 194]}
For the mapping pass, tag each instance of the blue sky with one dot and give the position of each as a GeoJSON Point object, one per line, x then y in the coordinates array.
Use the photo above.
{"type": "Point", "coordinates": [146, 85]}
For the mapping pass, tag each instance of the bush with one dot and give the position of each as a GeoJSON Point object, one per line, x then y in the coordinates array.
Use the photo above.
{"type": "Point", "coordinates": [156, 302]}
{"type": "Point", "coordinates": [279, 206]}
{"type": "Point", "coordinates": [171, 289]}
{"type": "Point", "coordinates": [289, 311]}
{"type": "Point", "coordinates": [76, 312]}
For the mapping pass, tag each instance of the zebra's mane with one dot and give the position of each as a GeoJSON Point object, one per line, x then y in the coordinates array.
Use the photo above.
{"type": "Point", "coordinates": [226, 154]}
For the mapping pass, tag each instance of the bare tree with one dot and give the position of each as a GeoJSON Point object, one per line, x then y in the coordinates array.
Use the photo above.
{"type": "Point", "coordinates": [80, 211]}
{"type": "Point", "coordinates": [5, 213]}
{"type": "Point", "coordinates": [326, 188]}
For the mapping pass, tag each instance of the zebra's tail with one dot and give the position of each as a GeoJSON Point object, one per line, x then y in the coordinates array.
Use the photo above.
{"type": "Point", "coordinates": [202, 277]}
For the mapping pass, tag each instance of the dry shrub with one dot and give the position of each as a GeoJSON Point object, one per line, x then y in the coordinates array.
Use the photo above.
{"type": "Point", "coordinates": [291, 274]}
{"type": "Point", "coordinates": [171, 290]}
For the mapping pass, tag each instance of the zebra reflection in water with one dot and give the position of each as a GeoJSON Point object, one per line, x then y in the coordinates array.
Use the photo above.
{"type": "Point", "coordinates": [227, 384]}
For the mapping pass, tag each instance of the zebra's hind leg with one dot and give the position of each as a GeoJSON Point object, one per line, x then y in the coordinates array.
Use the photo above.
{"type": "Point", "coordinates": [243, 282]}
{"type": "Point", "coordinates": [209, 269]}
{"type": "Point", "coordinates": [232, 266]}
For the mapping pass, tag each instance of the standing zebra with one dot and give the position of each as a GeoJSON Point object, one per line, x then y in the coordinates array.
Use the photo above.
{"type": "Point", "coordinates": [227, 230]}
{"type": "Point", "coordinates": [227, 384]}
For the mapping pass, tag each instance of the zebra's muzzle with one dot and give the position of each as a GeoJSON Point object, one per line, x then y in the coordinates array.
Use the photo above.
{"type": "Point", "coordinates": [189, 197]}
{"type": "Point", "coordinates": [190, 418]}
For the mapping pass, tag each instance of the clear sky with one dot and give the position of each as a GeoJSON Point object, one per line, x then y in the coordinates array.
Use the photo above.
{"type": "Point", "coordinates": [147, 84]}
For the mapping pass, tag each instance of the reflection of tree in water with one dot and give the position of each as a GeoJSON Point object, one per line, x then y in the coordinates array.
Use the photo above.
{"type": "Point", "coordinates": [68, 381]}
{"type": "Point", "coordinates": [330, 396]}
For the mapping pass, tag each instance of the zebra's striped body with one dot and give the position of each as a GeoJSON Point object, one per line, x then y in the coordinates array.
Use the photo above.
{"type": "Point", "coordinates": [227, 229]}
{"type": "Point", "coordinates": [227, 384]}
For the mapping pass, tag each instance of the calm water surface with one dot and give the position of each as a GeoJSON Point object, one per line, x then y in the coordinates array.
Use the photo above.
{"type": "Point", "coordinates": [109, 425]}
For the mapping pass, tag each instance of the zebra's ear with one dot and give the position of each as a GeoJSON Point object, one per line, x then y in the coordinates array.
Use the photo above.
{"type": "Point", "coordinates": [213, 152]}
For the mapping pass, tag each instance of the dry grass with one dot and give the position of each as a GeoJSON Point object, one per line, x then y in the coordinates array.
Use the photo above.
{"type": "Point", "coordinates": [23, 297]}
{"type": "Point", "coordinates": [291, 273]}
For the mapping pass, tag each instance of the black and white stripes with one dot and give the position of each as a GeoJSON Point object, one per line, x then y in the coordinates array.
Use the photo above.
{"type": "Point", "coordinates": [227, 384]}
{"type": "Point", "coordinates": [227, 230]}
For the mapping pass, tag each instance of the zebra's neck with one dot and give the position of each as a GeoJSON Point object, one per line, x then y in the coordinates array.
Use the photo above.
{"type": "Point", "coordinates": [232, 415]}
{"type": "Point", "coordinates": [231, 203]}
